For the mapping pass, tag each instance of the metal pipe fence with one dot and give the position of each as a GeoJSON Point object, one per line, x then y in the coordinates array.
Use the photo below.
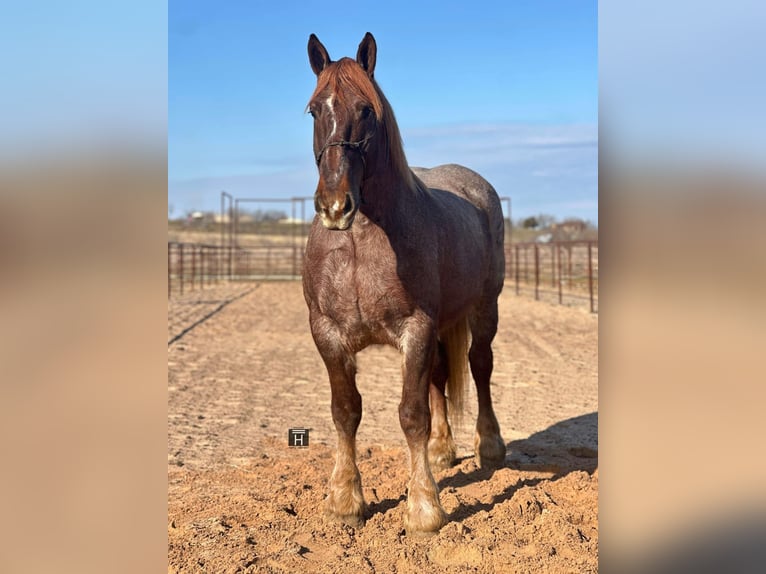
{"type": "Point", "coordinates": [193, 266]}
{"type": "Point", "coordinates": [563, 272]}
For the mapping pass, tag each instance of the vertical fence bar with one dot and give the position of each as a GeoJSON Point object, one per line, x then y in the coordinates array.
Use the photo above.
{"type": "Point", "coordinates": [231, 237]}
{"type": "Point", "coordinates": [294, 237]}
{"type": "Point", "coordinates": [537, 273]}
{"type": "Point", "coordinates": [590, 274]}
{"type": "Point", "coordinates": [202, 251]}
{"type": "Point", "coordinates": [569, 265]}
{"type": "Point", "coordinates": [558, 252]}
{"type": "Point", "coordinates": [223, 229]}
{"type": "Point", "coordinates": [194, 265]}
{"type": "Point", "coordinates": [235, 223]}
{"type": "Point", "coordinates": [553, 265]}
{"type": "Point", "coordinates": [526, 266]}
{"type": "Point", "coordinates": [516, 263]}
{"type": "Point", "coordinates": [181, 267]}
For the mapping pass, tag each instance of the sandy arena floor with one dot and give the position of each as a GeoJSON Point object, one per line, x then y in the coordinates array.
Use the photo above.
{"type": "Point", "coordinates": [242, 369]}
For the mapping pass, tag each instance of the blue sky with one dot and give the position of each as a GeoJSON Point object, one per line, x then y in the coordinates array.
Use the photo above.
{"type": "Point", "coordinates": [82, 74]}
{"type": "Point", "coordinates": [509, 89]}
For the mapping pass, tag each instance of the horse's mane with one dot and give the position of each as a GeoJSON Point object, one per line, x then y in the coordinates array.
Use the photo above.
{"type": "Point", "coordinates": [346, 77]}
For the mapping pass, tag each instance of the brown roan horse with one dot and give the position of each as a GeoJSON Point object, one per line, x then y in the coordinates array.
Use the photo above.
{"type": "Point", "coordinates": [411, 258]}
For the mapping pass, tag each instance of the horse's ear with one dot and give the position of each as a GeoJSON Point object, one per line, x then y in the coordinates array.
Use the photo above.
{"type": "Point", "coordinates": [318, 56]}
{"type": "Point", "coordinates": [365, 55]}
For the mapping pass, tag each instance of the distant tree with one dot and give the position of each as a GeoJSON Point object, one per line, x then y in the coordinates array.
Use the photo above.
{"type": "Point", "coordinates": [530, 223]}
{"type": "Point", "coordinates": [260, 215]}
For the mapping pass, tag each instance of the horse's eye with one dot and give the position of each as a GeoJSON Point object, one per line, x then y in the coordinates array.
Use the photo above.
{"type": "Point", "coordinates": [366, 111]}
{"type": "Point", "coordinates": [313, 113]}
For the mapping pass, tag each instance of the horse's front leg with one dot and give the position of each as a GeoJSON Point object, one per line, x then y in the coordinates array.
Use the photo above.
{"type": "Point", "coordinates": [344, 501]}
{"type": "Point", "coordinates": [418, 344]}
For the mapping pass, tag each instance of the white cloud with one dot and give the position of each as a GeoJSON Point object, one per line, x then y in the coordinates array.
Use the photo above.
{"type": "Point", "coordinates": [543, 168]}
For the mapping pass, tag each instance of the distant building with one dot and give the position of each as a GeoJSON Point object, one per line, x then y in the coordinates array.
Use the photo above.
{"type": "Point", "coordinates": [544, 238]}
{"type": "Point", "coordinates": [568, 230]}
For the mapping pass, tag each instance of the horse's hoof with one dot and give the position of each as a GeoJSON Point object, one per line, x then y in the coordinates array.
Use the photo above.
{"type": "Point", "coordinates": [424, 522]}
{"type": "Point", "coordinates": [353, 520]}
{"type": "Point", "coordinates": [350, 513]}
{"type": "Point", "coordinates": [424, 513]}
{"type": "Point", "coordinates": [490, 451]}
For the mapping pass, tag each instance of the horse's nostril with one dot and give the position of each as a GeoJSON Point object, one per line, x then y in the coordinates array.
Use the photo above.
{"type": "Point", "coordinates": [349, 205]}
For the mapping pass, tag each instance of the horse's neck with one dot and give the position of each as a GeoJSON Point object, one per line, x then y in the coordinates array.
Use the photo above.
{"type": "Point", "coordinates": [384, 193]}
{"type": "Point", "coordinates": [387, 188]}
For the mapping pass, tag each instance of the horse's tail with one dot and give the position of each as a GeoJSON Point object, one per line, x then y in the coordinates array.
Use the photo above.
{"type": "Point", "coordinates": [456, 343]}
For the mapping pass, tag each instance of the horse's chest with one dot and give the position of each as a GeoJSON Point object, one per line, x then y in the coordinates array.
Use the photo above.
{"type": "Point", "coordinates": [363, 295]}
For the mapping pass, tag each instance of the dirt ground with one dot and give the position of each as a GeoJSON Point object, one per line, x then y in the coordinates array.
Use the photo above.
{"type": "Point", "coordinates": [242, 370]}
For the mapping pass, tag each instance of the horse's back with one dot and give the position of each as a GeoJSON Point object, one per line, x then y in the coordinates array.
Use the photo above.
{"type": "Point", "coordinates": [464, 182]}
{"type": "Point", "coordinates": [471, 186]}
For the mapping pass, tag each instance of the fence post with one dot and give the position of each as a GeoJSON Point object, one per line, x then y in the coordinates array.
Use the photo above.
{"type": "Point", "coordinates": [558, 252]}
{"type": "Point", "coordinates": [516, 264]}
{"type": "Point", "coordinates": [203, 253]}
{"type": "Point", "coordinates": [537, 272]}
{"type": "Point", "coordinates": [526, 265]}
{"type": "Point", "coordinates": [181, 267]}
{"type": "Point", "coordinates": [590, 274]}
{"type": "Point", "coordinates": [553, 265]}
{"type": "Point", "coordinates": [194, 264]}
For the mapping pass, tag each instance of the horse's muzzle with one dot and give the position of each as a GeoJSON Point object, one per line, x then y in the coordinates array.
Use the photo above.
{"type": "Point", "coordinates": [336, 216]}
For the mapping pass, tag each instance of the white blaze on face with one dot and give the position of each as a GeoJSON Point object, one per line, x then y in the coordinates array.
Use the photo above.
{"type": "Point", "coordinates": [329, 101]}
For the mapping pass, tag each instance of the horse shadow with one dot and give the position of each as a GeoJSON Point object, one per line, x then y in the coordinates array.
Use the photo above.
{"type": "Point", "coordinates": [566, 446]}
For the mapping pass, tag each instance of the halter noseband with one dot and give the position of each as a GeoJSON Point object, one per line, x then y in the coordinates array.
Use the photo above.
{"type": "Point", "coordinates": [357, 145]}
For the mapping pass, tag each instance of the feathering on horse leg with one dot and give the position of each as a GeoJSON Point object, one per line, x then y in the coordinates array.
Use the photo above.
{"type": "Point", "coordinates": [345, 501]}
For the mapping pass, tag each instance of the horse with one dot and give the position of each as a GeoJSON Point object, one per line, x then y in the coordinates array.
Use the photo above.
{"type": "Point", "coordinates": [411, 258]}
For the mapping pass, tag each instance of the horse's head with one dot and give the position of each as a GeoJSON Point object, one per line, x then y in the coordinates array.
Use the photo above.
{"type": "Point", "coordinates": [346, 109]}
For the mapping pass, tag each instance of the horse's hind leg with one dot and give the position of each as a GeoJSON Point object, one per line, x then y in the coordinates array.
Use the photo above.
{"type": "Point", "coordinates": [344, 501]}
{"type": "Point", "coordinates": [441, 445]}
{"type": "Point", "coordinates": [488, 444]}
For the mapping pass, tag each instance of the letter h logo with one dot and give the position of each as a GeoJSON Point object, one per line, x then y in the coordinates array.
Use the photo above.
{"type": "Point", "coordinates": [298, 437]}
